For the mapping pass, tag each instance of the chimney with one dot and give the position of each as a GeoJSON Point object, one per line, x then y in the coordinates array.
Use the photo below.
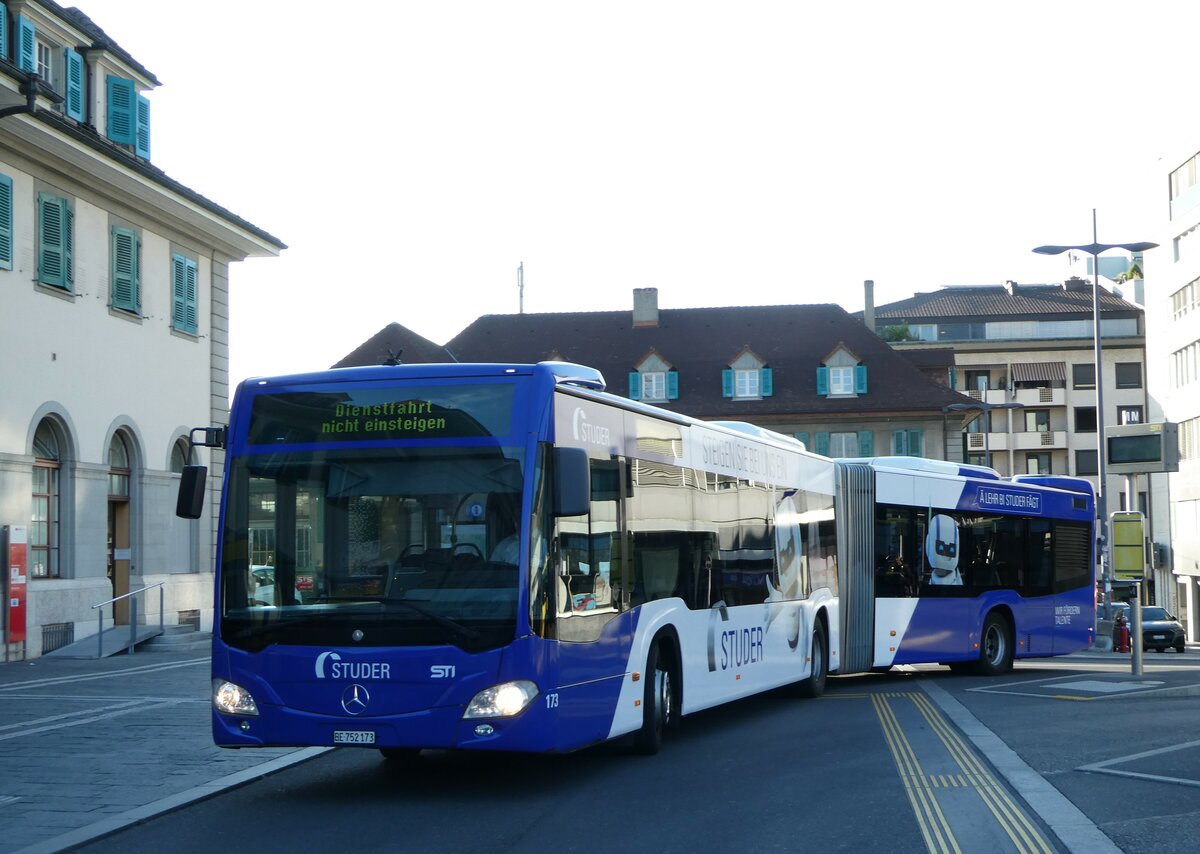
{"type": "Point", "coordinates": [869, 304]}
{"type": "Point", "coordinates": [1012, 287]}
{"type": "Point", "coordinates": [645, 308]}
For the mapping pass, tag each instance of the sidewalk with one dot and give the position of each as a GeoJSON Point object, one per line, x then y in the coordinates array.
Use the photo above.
{"type": "Point", "coordinates": [91, 746]}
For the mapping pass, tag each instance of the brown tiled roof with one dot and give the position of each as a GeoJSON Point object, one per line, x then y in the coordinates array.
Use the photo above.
{"type": "Point", "coordinates": [395, 340]}
{"type": "Point", "coordinates": [1022, 302]}
{"type": "Point", "coordinates": [701, 342]}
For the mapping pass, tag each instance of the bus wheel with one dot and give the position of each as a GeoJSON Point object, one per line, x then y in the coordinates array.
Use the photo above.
{"type": "Point", "coordinates": [995, 646]}
{"type": "Point", "coordinates": [814, 685]}
{"type": "Point", "coordinates": [659, 703]}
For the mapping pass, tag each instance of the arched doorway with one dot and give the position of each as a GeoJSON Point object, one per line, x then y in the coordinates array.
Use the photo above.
{"type": "Point", "coordinates": [119, 551]}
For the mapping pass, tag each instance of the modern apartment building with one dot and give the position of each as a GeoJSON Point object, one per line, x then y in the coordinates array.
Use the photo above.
{"type": "Point", "coordinates": [1173, 351]}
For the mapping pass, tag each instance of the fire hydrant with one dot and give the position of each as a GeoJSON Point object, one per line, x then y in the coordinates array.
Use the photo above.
{"type": "Point", "coordinates": [1121, 634]}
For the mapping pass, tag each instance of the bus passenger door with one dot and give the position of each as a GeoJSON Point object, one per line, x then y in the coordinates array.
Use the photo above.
{"type": "Point", "coordinates": [1035, 625]}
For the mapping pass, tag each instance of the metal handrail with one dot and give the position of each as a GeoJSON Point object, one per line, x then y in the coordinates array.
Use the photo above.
{"type": "Point", "coordinates": [132, 616]}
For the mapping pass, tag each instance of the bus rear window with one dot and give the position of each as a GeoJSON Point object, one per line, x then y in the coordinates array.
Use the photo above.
{"type": "Point", "coordinates": [356, 415]}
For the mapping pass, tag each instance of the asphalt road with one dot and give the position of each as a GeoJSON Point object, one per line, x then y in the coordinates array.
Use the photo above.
{"type": "Point", "coordinates": [1071, 754]}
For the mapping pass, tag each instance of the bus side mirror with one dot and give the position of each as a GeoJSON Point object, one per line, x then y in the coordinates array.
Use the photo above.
{"type": "Point", "coordinates": [572, 488]}
{"type": "Point", "coordinates": [190, 503]}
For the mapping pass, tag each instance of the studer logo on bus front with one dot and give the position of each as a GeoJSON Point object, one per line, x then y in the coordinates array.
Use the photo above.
{"type": "Point", "coordinates": [339, 669]}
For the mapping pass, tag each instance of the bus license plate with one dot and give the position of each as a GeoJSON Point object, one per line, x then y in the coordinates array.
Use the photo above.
{"type": "Point", "coordinates": [353, 736]}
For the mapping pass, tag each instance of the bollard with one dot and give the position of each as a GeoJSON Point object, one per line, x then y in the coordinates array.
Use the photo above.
{"type": "Point", "coordinates": [1135, 630]}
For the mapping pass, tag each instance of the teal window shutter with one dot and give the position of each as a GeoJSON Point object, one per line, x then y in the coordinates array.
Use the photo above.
{"type": "Point", "coordinates": [142, 144]}
{"type": "Point", "coordinates": [727, 382]}
{"type": "Point", "coordinates": [766, 386]}
{"type": "Point", "coordinates": [75, 81]}
{"type": "Point", "coordinates": [26, 45]}
{"type": "Point", "coordinates": [672, 385]}
{"type": "Point", "coordinates": [860, 379]}
{"type": "Point", "coordinates": [914, 443]}
{"type": "Point", "coordinates": [54, 241]}
{"type": "Point", "coordinates": [866, 443]}
{"type": "Point", "coordinates": [822, 444]}
{"type": "Point", "coordinates": [124, 269]}
{"type": "Point", "coordinates": [6, 220]}
{"type": "Point", "coordinates": [121, 104]}
{"type": "Point", "coordinates": [635, 385]}
{"type": "Point", "coordinates": [823, 381]}
{"type": "Point", "coordinates": [900, 442]}
{"type": "Point", "coordinates": [184, 313]}
{"type": "Point", "coordinates": [803, 437]}
{"type": "Point", "coordinates": [3, 31]}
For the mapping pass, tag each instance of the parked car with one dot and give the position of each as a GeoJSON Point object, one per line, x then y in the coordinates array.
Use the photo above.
{"type": "Point", "coordinates": [263, 579]}
{"type": "Point", "coordinates": [1160, 629]}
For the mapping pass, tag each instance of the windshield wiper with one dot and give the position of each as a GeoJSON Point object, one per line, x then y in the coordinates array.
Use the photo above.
{"type": "Point", "coordinates": [273, 625]}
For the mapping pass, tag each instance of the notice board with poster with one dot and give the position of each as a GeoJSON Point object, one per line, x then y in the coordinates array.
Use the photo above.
{"type": "Point", "coordinates": [16, 574]}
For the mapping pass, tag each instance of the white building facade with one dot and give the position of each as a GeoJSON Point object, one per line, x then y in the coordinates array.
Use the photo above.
{"type": "Point", "coordinates": [1173, 348]}
{"type": "Point", "coordinates": [114, 284]}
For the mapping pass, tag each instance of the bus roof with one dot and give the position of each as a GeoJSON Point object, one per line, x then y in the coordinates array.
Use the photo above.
{"type": "Point", "coordinates": [561, 372]}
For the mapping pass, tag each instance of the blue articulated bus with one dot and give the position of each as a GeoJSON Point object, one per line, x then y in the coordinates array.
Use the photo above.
{"type": "Point", "coordinates": [505, 557]}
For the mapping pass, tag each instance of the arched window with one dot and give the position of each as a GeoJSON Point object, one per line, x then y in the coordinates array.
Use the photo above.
{"type": "Point", "coordinates": [118, 468]}
{"type": "Point", "coordinates": [179, 456]}
{"type": "Point", "coordinates": [44, 522]}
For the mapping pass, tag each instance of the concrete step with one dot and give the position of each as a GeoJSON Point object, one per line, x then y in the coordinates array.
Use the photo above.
{"type": "Point", "coordinates": [179, 639]}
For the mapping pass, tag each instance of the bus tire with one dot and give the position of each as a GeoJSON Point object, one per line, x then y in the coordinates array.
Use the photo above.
{"type": "Point", "coordinates": [814, 684]}
{"type": "Point", "coordinates": [995, 646]}
{"type": "Point", "coordinates": [660, 702]}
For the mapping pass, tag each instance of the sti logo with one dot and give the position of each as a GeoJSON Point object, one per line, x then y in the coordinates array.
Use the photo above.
{"type": "Point", "coordinates": [441, 671]}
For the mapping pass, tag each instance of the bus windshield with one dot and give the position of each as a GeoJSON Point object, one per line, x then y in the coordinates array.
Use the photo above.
{"type": "Point", "coordinates": [407, 545]}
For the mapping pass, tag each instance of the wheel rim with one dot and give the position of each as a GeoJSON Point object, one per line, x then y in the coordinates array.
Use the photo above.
{"type": "Point", "coordinates": [993, 645]}
{"type": "Point", "coordinates": [662, 697]}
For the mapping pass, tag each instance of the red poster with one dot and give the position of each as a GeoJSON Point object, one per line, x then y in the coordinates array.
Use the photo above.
{"type": "Point", "coordinates": [18, 569]}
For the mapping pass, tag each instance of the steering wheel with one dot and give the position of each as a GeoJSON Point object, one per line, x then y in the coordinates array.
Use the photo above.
{"type": "Point", "coordinates": [466, 548]}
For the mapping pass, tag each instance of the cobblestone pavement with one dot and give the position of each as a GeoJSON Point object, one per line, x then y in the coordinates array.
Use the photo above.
{"type": "Point", "coordinates": [89, 746]}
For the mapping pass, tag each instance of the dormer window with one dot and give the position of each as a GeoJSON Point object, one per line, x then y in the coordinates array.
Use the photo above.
{"type": "Point", "coordinates": [128, 115]}
{"type": "Point", "coordinates": [45, 63]}
{"type": "Point", "coordinates": [842, 374]}
{"type": "Point", "coordinates": [746, 383]}
{"type": "Point", "coordinates": [747, 378]}
{"type": "Point", "coordinates": [654, 380]}
{"type": "Point", "coordinates": [841, 380]}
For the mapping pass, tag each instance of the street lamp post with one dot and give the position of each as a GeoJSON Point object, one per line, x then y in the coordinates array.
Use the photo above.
{"type": "Point", "coordinates": [984, 408]}
{"type": "Point", "coordinates": [1095, 249]}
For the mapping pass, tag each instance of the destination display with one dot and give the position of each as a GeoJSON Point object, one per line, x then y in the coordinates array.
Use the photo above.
{"type": "Point", "coordinates": [444, 412]}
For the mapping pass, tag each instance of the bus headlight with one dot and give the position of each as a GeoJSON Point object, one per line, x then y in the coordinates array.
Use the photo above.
{"type": "Point", "coordinates": [501, 701]}
{"type": "Point", "coordinates": [232, 699]}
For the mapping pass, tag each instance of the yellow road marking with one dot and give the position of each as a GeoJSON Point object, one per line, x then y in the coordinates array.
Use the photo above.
{"type": "Point", "coordinates": [936, 830]}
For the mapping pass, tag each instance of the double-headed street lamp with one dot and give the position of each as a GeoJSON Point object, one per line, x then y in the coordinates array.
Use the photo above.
{"type": "Point", "coordinates": [984, 408]}
{"type": "Point", "coordinates": [1095, 249]}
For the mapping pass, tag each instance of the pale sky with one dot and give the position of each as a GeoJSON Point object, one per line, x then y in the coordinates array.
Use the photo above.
{"type": "Point", "coordinates": [412, 154]}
